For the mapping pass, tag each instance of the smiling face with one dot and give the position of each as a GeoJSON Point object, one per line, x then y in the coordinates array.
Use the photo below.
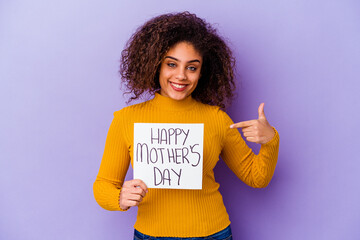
{"type": "Point", "coordinates": [180, 71]}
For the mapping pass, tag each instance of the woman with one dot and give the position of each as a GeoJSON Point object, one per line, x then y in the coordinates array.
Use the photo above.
{"type": "Point", "coordinates": [181, 60]}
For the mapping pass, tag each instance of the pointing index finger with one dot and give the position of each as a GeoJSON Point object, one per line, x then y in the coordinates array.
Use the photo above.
{"type": "Point", "coordinates": [242, 124]}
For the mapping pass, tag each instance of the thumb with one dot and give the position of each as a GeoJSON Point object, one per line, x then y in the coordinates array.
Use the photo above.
{"type": "Point", "coordinates": [261, 111]}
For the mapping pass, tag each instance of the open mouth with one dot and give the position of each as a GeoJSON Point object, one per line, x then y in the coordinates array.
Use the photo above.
{"type": "Point", "coordinates": [178, 87]}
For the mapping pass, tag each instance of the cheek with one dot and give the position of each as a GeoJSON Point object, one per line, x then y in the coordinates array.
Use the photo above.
{"type": "Point", "coordinates": [164, 74]}
{"type": "Point", "coordinates": [196, 82]}
{"type": "Point", "coordinates": [196, 79]}
{"type": "Point", "coordinates": [162, 81]}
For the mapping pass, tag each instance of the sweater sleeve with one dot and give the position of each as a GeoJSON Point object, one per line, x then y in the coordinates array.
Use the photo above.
{"type": "Point", "coordinates": [254, 170]}
{"type": "Point", "coordinates": [113, 167]}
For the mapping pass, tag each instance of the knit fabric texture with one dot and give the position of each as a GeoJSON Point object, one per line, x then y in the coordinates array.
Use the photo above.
{"type": "Point", "coordinates": [177, 212]}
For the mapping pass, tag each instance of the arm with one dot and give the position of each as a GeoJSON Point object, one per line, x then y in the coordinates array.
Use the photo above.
{"type": "Point", "coordinates": [114, 165]}
{"type": "Point", "coordinates": [254, 170]}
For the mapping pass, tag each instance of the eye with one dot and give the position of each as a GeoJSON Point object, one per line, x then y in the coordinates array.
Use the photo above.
{"type": "Point", "coordinates": [172, 65]}
{"type": "Point", "coordinates": [193, 69]}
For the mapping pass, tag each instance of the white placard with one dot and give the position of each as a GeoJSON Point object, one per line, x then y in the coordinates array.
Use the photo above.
{"type": "Point", "coordinates": [169, 155]}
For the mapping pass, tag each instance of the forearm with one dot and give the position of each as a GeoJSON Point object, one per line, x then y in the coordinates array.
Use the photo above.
{"type": "Point", "coordinates": [254, 170]}
{"type": "Point", "coordinates": [107, 194]}
{"type": "Point", "coordinates": [264, 163]}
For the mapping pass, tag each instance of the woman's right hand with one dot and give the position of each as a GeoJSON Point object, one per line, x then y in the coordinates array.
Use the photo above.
{"type": "Point", "coordinates": [132, 193]}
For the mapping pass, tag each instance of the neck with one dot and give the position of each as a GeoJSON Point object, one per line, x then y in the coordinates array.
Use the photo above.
{"type": "Point", "coordinates": [169, 104]}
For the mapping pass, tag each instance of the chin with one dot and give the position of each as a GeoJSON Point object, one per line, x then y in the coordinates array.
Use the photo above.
{"type": "Point", "coordinates": [178, 97]}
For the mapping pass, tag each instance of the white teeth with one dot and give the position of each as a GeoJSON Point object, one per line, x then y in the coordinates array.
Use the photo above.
{"type": "Point", "coordinates": [178, 86]}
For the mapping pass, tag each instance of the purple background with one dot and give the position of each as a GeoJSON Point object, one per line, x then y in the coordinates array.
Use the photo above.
{"type": "Point", "coordinates": [60, 86]}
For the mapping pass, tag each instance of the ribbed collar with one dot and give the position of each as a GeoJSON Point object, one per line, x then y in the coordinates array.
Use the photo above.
{"type": "Point", "coordinates": [169, 104]}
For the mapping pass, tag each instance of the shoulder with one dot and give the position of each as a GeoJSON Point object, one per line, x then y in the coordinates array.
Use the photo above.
{"type": "Point", "coordinates": [216, 112]}
{"type": "Point", "coordinates": [207, 108]}
{"type": "Point", "coordinates": [124, 118]}
{"type": "Point", "coordinates": [132, 109]}
{"type": "Point", "coordinates": [215, 115]}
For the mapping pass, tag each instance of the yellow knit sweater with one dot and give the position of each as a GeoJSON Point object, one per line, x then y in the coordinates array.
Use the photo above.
{"type": "Point", "coordinates": [174, 212]}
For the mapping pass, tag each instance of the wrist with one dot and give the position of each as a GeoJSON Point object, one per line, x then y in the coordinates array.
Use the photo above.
{"type": "Point", "coordinates": [124, 208]}
{"type": "Point", "coordinates": [272, 137]}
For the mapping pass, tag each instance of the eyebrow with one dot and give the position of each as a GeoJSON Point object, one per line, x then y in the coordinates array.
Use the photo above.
{"type": "Point", "coordinates": [191, 61]}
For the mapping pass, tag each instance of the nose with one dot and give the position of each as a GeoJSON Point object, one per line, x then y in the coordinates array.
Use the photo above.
{"type": "Point", "coordinates": [180, 75]}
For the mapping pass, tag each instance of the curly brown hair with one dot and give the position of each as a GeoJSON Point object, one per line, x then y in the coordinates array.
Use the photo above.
{"type": "Point", "coordinates": [145, 50]}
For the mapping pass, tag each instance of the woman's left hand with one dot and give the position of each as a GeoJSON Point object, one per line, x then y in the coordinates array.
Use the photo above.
{"type": "Point", "coordinates": [257, 130]}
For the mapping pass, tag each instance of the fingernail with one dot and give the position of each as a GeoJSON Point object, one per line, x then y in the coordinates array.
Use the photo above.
{"type": "Point", "coordinates": [231, 126]}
